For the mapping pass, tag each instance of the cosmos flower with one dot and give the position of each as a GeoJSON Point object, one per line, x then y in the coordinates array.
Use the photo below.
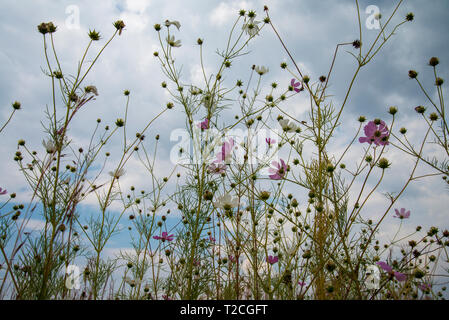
{"type": "Point", "coordinates": [375, 133]}
{"type": "Point", "coordinates": [287, 125]}
{"type": "Point", "coordinates": [296, 85]}
{"type": "Point", "coordinates": [226, 152]}
{"type": "Point", "coordinates": [49, 146]}
{"type": "Point", "coordinates": [217, 168]}
{"type": "Point", "coordinates": [270, 141]}
{"type": "Point", "coordinates": [117, 173]}
{"type": "Point", "coordinates": [279, 172]}
{"type": "Point", "coordinates": [204, 124]}
{"type": "Point", "coordinates": [226, 202]}
{"type": "Point", "coordinates": [387, 268]}
{"type": "Point", "coordinates": [261, 70]}
{"type": "Point", "coordinates": [132, 282]}
{"type": "Point", "coordinates": [168, 23]}
{"type": "Point", "coordinates": [272, 260]}
{"type": "Point", "coordinates": [402, 214]}
{"type": "Point", "coordinates": [172, 42]}
{"type": "Point", "coordinates": [251, 27]}
{"type": "Point", "coordinates": [165, 237]}
{"type": "Point", "coordinates": [425, 287]}
{"type": "Point", "coordinates": [3, 191]}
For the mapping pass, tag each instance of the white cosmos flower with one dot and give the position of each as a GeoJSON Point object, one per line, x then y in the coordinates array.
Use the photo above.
{"type": "Point", "coordinates": [251, 27]}
{"type": "Point", "coordinates": [49, 146]}
{"type": "Point", "coordinates": [132, 282]}
{"type": "Point", "coordinates": [172, 42]}
{"type": "Point", "coordinates": [168, 23]}
{"type": "Point", "coordinates": [117, 173]}
{"type": "Point", "coordinates": [226, 202]}
{"type": "Point", "coordinates": [248, 269]}
{"type": "Point", "coordinates": [287, 125]}
{"type": "Point", "coordinates": [261, 70]}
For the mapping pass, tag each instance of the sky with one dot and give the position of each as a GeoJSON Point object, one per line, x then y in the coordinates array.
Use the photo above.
{"type": "Point", "coordinates": [310, 29]}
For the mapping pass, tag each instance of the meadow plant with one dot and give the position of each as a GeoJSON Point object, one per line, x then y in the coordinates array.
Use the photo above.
{"type": "Point", "coordinates": [265, 207]}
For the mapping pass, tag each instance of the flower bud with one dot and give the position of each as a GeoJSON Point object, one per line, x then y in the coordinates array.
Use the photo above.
{"type": "Point", "coordinates": [393, 110]}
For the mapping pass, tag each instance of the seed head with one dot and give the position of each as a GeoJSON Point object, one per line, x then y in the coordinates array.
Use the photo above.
{"type": "Point", "coordinates": [356, 44]}
{"type": "Point", "coordinates": [16, 105]}
{"type": "Point", "coordinates": [439, 82]}
{"type": "Point", "coordinates": [383, 163]}
{"type": "Point", "coordinates": [434, 61]}
{"type": "Point", "coordinates": [420, 109]}
{"type": "Point", "coordinates": [94, 35]}
{"type": "Point", "coordinates": [119, 25]}
{"type": "Point", "coordinates": [120, 122]}
{"type": "Point", "coordinates": [412, 74]}
{"type": "Point", "coordinates": [42, 28]}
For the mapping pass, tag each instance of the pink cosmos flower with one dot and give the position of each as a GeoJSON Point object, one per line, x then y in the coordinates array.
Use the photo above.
{"type": "Point", "coordinates": [204, 124]}
{"type": "Point", "coordinates": [385, 266]}
{"type": "Point", "coordinates": [399, 276]}
{"type": "Point", "coordinates": [217, 168]}
{"type": "Point", "coordinates": [225, 154]}
{"type": "Point", "coordinates": [3, 191]}
{"type": "Point", "coordinates": [402, 214]}
{"type": "Point", "coordinates": [165, 237]}
{"type": "Point", "coordinates": [272, 260]}
{"type": "Point", "coordinates": [376, 133]}
{"type": "Point", "coordinates": [295, 85]}
{"type": "Point", "coordinates": [279, 172]}
{"type": "Point", "coordinates": [424, 287]}
{"type": "Point", "coordinates": [270, 141]}
{"type": "Point", "coordinates": [232, 258]}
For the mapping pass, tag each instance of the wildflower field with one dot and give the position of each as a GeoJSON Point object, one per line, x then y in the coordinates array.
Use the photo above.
{"type": "Point", "coordinates": [224, 150]}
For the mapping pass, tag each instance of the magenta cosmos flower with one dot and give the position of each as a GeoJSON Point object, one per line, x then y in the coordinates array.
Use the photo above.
{"type": "Point", "coordinates": [399, 276]}
{"type": "Point", "coordinates": [270, 141]}
{"type": "Point", "coordinates": [203, 124]}
{"type": "Point", "coordinates": [402, 214]}
{"type": "Point", "coordinates": [225, 154]}
{"type": "Point", "coordinates": [165, 237]}
{"type": "Point", "coordinates": [3, 191]}
{"type": "Point", "coordinates": [375, 133]}
{"type": "Point", "coordinates": [296, 85]}
{"type": "Point", "coordinates": [279, 172]}
{"type": "Point", "coordinates": [272, 260]}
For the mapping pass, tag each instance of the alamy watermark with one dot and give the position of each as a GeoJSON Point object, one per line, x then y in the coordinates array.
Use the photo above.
{"type": "Point", "coordinates": [72, 280]}
{"type": "Point", "coordinates": [372, 21]}
{"type": "Point", "coordinates": [215, 147]}
{"type": "Point", "coordinates": [72, 21]}
{"type": "Point", "coordinates": [372, 280]}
